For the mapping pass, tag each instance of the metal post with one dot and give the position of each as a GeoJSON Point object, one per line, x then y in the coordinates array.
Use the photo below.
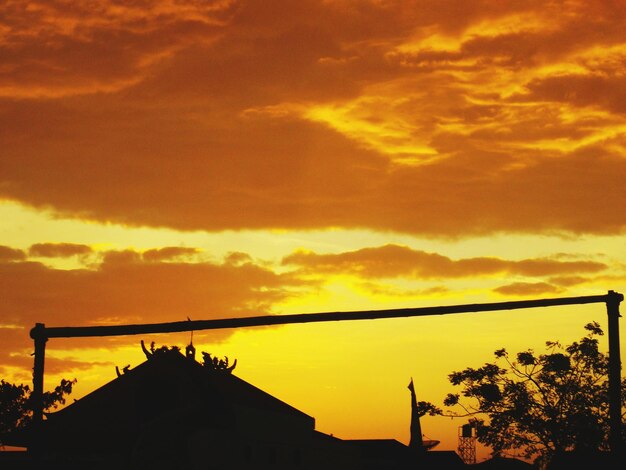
{"type": "Point", "coordinates": [613, 300]}
{"type": "Point", "coordinates": [39, 336]}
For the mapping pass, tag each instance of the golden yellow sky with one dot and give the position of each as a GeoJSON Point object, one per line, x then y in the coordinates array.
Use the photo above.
{"type": "Point", "coordinates": [165, 159]}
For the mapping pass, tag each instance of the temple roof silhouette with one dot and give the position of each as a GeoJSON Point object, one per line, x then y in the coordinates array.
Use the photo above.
{"type": "Point", "coordinates": [174, 412]}
{"type": "Point", "coordinates": [173, 402]}
{"type": "Point", "coordinates": [167, 377]}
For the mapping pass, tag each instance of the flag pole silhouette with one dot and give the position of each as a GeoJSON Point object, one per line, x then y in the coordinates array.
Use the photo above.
{"type": "Point", "coordinates": [416, 443]}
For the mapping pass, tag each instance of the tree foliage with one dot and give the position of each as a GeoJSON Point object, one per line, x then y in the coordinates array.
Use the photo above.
{"type": "Point", "coordinates": [16, 404]}
{"type": "Point", "coordinates": [539, 404]}
{"type": "Point", "coordinates": [424, 408]}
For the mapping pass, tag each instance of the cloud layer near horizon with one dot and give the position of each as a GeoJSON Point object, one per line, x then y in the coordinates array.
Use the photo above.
{"type": "Point", "coordinates": [427, 117]}
{"type": "Point", "coordinates": [126, 287]}
{"type": "Point", "coordinates": [174, 283]}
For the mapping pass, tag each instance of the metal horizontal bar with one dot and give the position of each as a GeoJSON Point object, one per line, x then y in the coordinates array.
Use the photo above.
{"type": "Point", "coordinates": [40, 331]}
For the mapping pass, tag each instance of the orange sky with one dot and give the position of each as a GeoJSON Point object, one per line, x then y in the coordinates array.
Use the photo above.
{"type": "Point", "coordinates": [165, 159]}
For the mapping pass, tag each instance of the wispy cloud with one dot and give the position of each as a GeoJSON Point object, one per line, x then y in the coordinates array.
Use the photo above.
{"type": "Point", "coordinates": [528, 289]}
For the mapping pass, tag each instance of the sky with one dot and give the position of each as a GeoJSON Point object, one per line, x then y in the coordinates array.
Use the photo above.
{"type": "Point", "coordinates": [169, 159]}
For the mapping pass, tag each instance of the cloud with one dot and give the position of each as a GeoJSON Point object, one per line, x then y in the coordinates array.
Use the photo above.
{"type": "Point", "coordinates": [53, 365]}
{"type": "Point", "coordinates": [237, 258]}
{"type": "Point", "coordinates": [11, 254]}
{"type": "Point", "coordinates": [395, 292]}
{"type": "Point", "coordinates": [604, 90]}
{"type": "Point", "coordinates": [168, 252]}
{"type": "Point", "coordinates": [434, 119]}
{"type": "Point", "coordinates": [58, 250]}
{"type": "Point", "coordinates": [127, 289]}
{"type": "Point", "coordinates": [55, 48]}
{"type": "Point", "coordinates": [568, 281]}
{"type": "Point", "coordinates": [174, 283]}
{"type": "Point", "coordinates": [123, 287]}
{"type": "Point", "coordinates": [528, 289]}
{"type": "Point", "coordinates": [500, 193]}
{"type": "Point", "coordinates": [392, 261]}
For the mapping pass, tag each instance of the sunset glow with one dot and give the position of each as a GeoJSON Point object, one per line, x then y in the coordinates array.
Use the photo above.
{"type": "Point", "coordinates": [163, 160]}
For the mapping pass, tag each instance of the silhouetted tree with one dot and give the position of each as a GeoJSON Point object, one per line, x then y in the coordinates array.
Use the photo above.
{"type": "Point", "coordinates": [541, 404]}
{"type": "Point", "coordinates": [16, 404]}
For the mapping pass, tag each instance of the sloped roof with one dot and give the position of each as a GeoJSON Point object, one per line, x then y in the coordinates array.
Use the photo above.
{"type": "Point", "coordinates": [167, 391]}
{"type": "Point", "coordinates": [190, 378]}
{"type": "Point", "coordinates": [242, 392]}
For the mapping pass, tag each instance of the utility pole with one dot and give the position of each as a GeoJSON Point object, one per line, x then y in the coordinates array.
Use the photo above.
{"type": "Point", "coordinates": [615, 404]}
{"type": "Point", "coordinates": [38, 334]}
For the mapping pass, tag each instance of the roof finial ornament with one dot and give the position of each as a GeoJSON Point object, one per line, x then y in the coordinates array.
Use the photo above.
{"type": "Point", "coordinates": [213, 363]}
{"type": "Point", "coordinates": [145, 350]}
{"type": "Point", "coordinates": [190, 350]}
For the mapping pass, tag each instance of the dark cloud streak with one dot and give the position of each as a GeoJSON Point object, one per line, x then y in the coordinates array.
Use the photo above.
{"type": "Point", "coordinates": [391, 261]}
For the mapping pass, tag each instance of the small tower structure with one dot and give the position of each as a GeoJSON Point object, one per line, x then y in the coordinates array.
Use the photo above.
{"type": "Point", "coordinates": [190, 350]}
{"type": "Point", "coordinates": [467, 443]}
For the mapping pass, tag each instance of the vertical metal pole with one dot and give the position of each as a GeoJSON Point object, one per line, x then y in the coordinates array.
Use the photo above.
{"type": "Point", "coordinates": [615, 402]}
{"type": "Point", "coordinates": [38, 334]}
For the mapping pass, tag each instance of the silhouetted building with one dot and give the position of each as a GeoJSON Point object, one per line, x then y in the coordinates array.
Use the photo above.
{"type": "Point", "coordinates": [173, 412]}
{"type": "Point", "coordinates": [503, 463]}
{"type": "Point", "coordinates": [176, 413]}
{"type": "Point", "coordinates": [389, 454]}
